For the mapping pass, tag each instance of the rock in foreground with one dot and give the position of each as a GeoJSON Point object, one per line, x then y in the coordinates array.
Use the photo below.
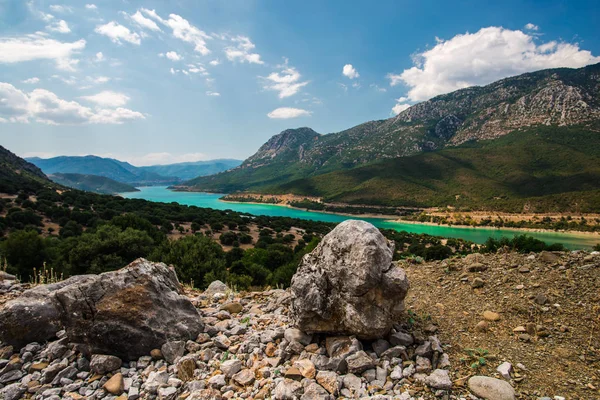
{"type": "Point", "coordinates": [349, 285]}
{"type": "Point", "coordinates": [126, 313]}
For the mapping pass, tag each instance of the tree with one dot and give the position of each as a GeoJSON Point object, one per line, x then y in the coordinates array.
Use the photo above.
{"type": "Point", "coordinates": [24, 250]}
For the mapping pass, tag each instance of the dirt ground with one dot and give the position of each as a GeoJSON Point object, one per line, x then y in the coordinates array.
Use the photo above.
{"type": "Point", "coordinates": [549, 318]}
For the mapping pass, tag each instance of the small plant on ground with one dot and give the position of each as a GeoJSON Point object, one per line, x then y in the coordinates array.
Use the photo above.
{"type": "Point", "coordinates": [476, 358]}
{"type": "Point", "coordinates": [45, 276]}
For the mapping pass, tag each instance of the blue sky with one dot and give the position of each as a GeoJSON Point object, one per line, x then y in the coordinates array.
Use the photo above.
{"type": "Point", "coordinates": [159, 82]}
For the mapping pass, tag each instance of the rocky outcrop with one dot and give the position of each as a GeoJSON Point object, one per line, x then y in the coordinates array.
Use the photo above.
{"type": "Point", "coordinates": [348, 285]}
{"type": "Point", "coordinates": [125, 313]}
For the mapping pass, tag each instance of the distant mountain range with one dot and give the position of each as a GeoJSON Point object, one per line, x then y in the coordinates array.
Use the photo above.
{"type": "Point", "coordinates": [124, 172]}
{"type": "Point", "coordinates": [345, 166]}
{"type": "Point", "coordinates": [92, 183]}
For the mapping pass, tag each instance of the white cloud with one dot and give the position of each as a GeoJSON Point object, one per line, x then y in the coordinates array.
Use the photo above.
{"type": "Point", "coordinates": [61, 9]}
{"type": "Point", "coordinates": [108, 98]}
{"type": "Point", "coordinates": [377, 87]}
{"type": "Point", "coordinates": [531, 27]}
{"type": "Point", "coordinates": [197, 69]}
{"type": "Point", "coordinates": [99, 79]}
{"type": "Point", "coordinates": [242, 51]}
{"type": "Point", "coordinates": [483, 57]}
{"type": "Point", "coordinates": [173, 56]}
{"type": "Point", "coordinates": [99, 56]}
{"type": "Point", "coordinates": [43, 106]}
{"type": "Point", "coordinates": [288, 112]}
{"type": "Point", "coordinates": [91, 7]}
{"type": "Point", "coordinates": [398, 108]}
{"type": "Point", "coordinates": [172, 71]}
{"type": "Point", "coordinates": [350, 72]}
{"type": "Point", "coordinates": [32, 81]}
{"type": "Point", "coordinates": [38, 47]}
{"type": "Point", "coordinates": [117, 32]}
{"type": "Point", "coordinates": [144, 22]}
{"type": "Point", "coordinates": [215, 62]}
{"type": "Point", "coordinates": [59, 26]}
{"type": "Point", "coordinates": [209, 93]}
{"type": "Point", "coordinates": [182, 29]}
{"type": "Point", "coordinates": [287, 83]}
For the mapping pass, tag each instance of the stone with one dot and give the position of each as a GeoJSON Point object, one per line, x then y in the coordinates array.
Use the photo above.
{"type": "Point", "coordinates": [541, 298]}
{"type": "Point", "coordinates": [477, 283]}
{"type": "Point", "coordinates": [293, 373]}
{"type": "Point", "coordinates": [482, 326]}
{"type": "Point", "coordinates": [287, 389]}
{"type": "Point", "coordinates": [396, 373]}
{"type": "Point", "coordinates": [14, 391]}
{"type": "Point", "coordinates": [549, 257]}
{"type": "Point", "coordinates": [185, 369]}
{"type": "Point", "coordinates": [102, 363]}
{"type": "Point", "coordinates": [172, 350]}
{"type": "Point", "coordinates": [156, 354]}
{"type": "Point", "coordinates": [379, 346]}
{"type": "Point", "coordinates": [491, 316]}
{"type": "Point", "coordinates": [314, 391]}
{"type": "Point", "coordinates": [401, 339]}
{"type": "Point", "coordinates": [348, 285]}
{"type": "Point", "coordinates": [126, 313]}
{"type": "Point", "coordinates": [232, 308]}
{"type": "Point", "coordinates": [270, 349]}
{"type": "Point", "coordinates": [329, 380]}
{"type": "Point", "coordinates": [216, 287]}
{"type": "Point", "coordinates": [244, 378]}
{"type": "Point", "coordinates": [114, 385]}
{"type": "Point", "coordinates": [306, 368]}
{"type": "Point", "coordinates": [341, 346]}
{"type": "Point", "coordinates": [423, 364]}
{"type": "Point", "coordinates": [167, 393]}
{"type": "Point", "coordinates": [439, 379]}
{"type": "Point", "coordinates": [360, 362]}
{"type": "Point", "coordinates": [231, 367]}
{"type": "Point", "coordinates": [491, 388]}
{"type": "Point", "coordinates": [504, 369]}
{"type": "Point", "coordinates": [476, 267]}
{"type": "Point", "coordinates": [294, 334]}
{"type": "Point", "coordinates": [217, 381]}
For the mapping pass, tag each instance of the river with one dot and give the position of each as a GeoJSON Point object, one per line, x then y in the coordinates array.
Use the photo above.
{"type": "Point", "coordinates": [477, 235]}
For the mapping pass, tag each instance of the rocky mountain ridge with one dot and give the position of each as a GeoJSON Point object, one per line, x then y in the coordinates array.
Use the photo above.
{"type": "Point", "coordinates": [558, 97]}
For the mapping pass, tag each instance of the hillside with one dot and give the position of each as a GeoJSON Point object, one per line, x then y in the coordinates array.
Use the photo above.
{"type": "Point", "coordinates": [555, 97]}
{"type": "Point", "coordinates": [92, 183]}
{"type": "Point", "coordinates": [538, 169]}
{"type": "Point", "coordinates": [190, 170]}
{"type": "Point", "coordinates": [107, 167]}
{"type": "Point", "coordinates": [17, 174]}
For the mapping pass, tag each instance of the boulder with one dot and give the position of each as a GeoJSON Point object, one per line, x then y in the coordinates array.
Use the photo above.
{"type": "Point", "coordinates": [348, 285]}
{"type": "Point", "coordinates": [125, 313]}
{"type": "Point", "coordinates": [491, 388]}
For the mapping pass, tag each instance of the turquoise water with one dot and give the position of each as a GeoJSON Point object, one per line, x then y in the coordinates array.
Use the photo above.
{"type": "Point", "coordinates": [477, 235]}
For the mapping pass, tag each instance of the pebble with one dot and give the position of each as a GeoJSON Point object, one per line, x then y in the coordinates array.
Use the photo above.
{"type": "Point", "coordinates": [491, 316]}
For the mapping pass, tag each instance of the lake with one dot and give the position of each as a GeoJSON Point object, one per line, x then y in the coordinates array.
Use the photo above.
{"type": "Point", "coordinates": [477, 235]}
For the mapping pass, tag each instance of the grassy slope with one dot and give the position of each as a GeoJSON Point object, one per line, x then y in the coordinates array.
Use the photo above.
{"type": "Point", "coordinates": [548, 168]}
{"type": "Point", "coordinates": [92, 183]}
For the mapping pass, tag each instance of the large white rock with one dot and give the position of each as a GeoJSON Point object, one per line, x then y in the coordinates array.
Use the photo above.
{"type": "Point", "coordinates": [491, 388]}
{"type": "Point", "coordinates": [348, 285]}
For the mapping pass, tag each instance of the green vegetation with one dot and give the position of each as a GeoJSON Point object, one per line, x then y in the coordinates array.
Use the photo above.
{"type": "Point", "coordinates": [541, 169]}
{"type": "Point", "coordinates": [92, 183]}
{"type": "Point", "coordinates": [520, 243]}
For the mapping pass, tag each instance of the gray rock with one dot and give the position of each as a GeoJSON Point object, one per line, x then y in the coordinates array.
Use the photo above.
{"type": "Point", "coordinates": [217, 381]}
{"type": "Point", "coordinates": [293, 334]}
{"type": "Point", "coordinates": [491, 388]}
{"type": "Point", "coordinates": [11, 376]}
{"type": "Point", "coordinates": [439, 379]}
{"type": "Point", "coordinates": [379, 346]}
{"type": "Point", "coordinates": [14, 391]}
{"type": "Point", "coordinates": [167, 393]}
{"type": "Point", "coordinates": [401, 339]}
{"type": "Point", "coordinates": [287, 389]}
{"type": "Point", "coordinates": [216, 287]}
{"type": "Point", "coordinates": [349, 285]}
{"type": "Point", "coordinates": [359, 362]}
{"type": "Point", "coordinates": [102, 363]}
{"type": "Point", "coordinates": [504, 369]}
{"type": "Point", "coordinates": [172, 350]}
{"type": "Point", "coordinates": [314, 391]}
{"type": "Point", "coordinates": [231, 367]}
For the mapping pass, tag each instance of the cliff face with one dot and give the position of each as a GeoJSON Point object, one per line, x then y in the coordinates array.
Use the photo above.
{"type": "Point", "coordinates": [557, 97]}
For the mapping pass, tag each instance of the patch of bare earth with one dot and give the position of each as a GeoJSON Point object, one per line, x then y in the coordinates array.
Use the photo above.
{"type": "Point", "coordinates": [549, 318]}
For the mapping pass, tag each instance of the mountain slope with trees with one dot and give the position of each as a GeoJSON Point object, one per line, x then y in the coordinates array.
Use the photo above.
{"type": "Point", "coordinates": [92, 183]}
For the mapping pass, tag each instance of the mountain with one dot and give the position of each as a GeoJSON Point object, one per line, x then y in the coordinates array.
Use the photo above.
{"type": "Point", "coordinates": [92, 183]}
{"type": "Point", "coordinates": [17, 174]}
{"type": "Point", "coordinates": [190, 170]}
{"type": "Point", "coordinates": [107, 167]}
{"type": "Point", "coordinates": [554, 97]}
{"type": "Point", "coordinates": [538, 169]}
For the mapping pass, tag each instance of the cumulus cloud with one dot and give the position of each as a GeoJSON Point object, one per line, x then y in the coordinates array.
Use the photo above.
{"type": "Point", "coordinates": [216, 94]}
{"type": "Point", "coordinates": [144, 22]}
{"type": "Point", "coordinates": [32, 81]}
{"type": "Point", "coordinates": [483, 57]}
{"type": "Point", "coordinates": [183, 30]}
{"type": "Point", "coordinates": [99, 56]}
{"type": "Point", "coordinates": [59, 26]}
{"type": "Point", "coordinates": [350, 72]}
{"type": "Point", "coordinates": [118, 33]}
{"type": "Point", "coordinates": [173, 56]}
{"type": "Point", "coordinates": [215, 62]}
{"type": "Point", "coordinates": [288, 112]}
{"type": "Point", "coordinates": [108, 98]}
{"type": "Point", "coordinates": [531, 27]}
{"type": "Point", "coordinates": [242, 51]}
{"type": "Point", "coordinates": [43, 106]}
{"type": "Point", "coordinates": [287, 82]}
{"type": "Point", "coordinates": [398, 108]}
{"type": "Point", "coordinates": [39, 47]}
{"type": "Point", "coordinates": [91, 7]}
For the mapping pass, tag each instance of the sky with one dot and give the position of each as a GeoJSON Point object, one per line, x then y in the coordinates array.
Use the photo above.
{"type": "Point", "coordinates": [157, 82]}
